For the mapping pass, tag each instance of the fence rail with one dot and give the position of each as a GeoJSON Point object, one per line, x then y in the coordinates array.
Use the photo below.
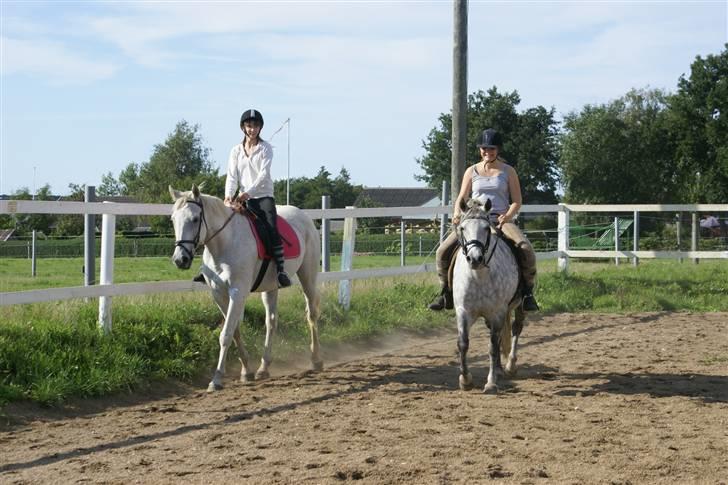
{"type": "Point", "coordinates": [563, 253]}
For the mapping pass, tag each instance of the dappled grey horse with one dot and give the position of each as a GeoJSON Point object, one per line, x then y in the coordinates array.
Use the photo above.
{"type": "Point", "coordinates": [486, 284]}
{"type": "Point", "coordinates": [230, 265]}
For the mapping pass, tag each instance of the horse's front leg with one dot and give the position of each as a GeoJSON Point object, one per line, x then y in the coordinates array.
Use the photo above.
{"type": "Point", "coordinates": [232, 321]}
{"type": "Point", "coordinates": [466, 379]}
{"type": "Point", "coordinates": [515, 334]}
{"type": "Point", "coordinates": [496, 326]}
{"type": "Point", "coordinates": [270, 302]}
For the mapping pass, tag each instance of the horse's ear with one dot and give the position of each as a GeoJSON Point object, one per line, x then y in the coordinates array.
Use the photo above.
{"type": "Point", "coordinates": [176, 194]}
{"type": "Point", "coordinates": [463, 205]}
{"type": "Point", "coordinates": [488, 205]}
{"type": "Point", "coordinates": [195, 191]}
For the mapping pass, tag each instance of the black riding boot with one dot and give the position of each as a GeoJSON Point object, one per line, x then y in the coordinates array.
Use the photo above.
{"type": "Point", "coordinates": [443, 301]}
{"type": "Point", "coordinates": [529, 301]}
{"type": "Point", "coordinates": [283, 279]}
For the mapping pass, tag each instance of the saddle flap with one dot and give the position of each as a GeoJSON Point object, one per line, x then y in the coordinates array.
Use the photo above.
{"type": "Point", "coordinates": [291, 244]}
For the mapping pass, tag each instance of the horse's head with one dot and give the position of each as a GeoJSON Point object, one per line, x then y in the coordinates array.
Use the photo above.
{"type": "Point", "coordinates": [474, 230]}
{"type": "Point", "coordinates": [188, 219]}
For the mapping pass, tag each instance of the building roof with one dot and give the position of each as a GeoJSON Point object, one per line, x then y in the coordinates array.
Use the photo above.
{"type": "Point", "coordinates": [400, 196]}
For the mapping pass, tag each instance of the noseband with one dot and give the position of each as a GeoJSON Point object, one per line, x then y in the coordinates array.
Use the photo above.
{"type": "Point", "coordinates": [196, 241]}
{"type": "Point", "coordinates": [467, 245]}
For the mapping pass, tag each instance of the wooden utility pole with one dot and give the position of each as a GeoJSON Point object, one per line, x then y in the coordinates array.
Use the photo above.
{"type": "Point", "coordinates": [459, 96]}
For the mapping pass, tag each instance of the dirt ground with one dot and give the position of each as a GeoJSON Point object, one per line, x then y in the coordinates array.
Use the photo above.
{"type": "Point", "coordinates": [613, 399]}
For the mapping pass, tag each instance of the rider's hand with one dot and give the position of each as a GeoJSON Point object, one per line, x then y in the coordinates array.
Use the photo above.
{"type": "Point", "coordinates": [243, 197]}
{"type": "Point", "coordinates": [503, 218]}
{"type": "Point", "coordinates": [456, 219]}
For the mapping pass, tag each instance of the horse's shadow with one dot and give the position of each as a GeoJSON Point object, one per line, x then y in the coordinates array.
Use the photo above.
{"type": "Point", "coordinates": [707, 388]}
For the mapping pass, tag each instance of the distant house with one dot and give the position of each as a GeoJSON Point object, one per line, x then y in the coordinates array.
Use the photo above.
{"type": "Point", "coordinates": [400, 196]}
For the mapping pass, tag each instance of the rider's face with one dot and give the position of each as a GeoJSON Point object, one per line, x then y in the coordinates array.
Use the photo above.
{"type": "Point", "coordinates": [251, 128]}
{"type": "Point", "coordinates": [488, 153]}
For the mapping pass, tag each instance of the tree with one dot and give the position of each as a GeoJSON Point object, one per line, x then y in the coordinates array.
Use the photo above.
{"type": "Point", "coordinates": [306, 192]}
{"type": "Point", "coordinates": [71, 224]}
{"type": "Point", "coordinates": [530, 143]}
{"type": "Point", "coordinates": [25, 223]}
{"type": "Point", "coordinates": [180, 161]}
{"type": "Point", "coordinates": [619, 152]}
{"type": "Point", "coordinates": [699, 125]}
{"type": "Point", "coordinates": [109, 186]}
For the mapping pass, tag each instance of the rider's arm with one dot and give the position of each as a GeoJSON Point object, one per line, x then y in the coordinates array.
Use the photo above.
{"type": "Point", "coordinates": [514, 188]}
{"type": "Point", "coordinates": [232, 181]}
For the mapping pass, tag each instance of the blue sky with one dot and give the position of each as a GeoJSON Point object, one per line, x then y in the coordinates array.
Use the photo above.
{"type": "Point", "coordinates": [89, 87]}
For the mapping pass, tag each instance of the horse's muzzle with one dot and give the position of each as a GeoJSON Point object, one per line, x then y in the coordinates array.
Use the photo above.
{"type": "Point", "coordinates": [476, 260]}
{"type": "Point", "coordinates": [181, 259]}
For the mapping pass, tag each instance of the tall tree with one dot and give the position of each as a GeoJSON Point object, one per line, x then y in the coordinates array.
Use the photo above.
{"type": "Point", "coordinates": [530, 143]}
{"type": "Point", "coordinates": [619, 152]}
{"type": "Point", "coordinates": [699, 123]}
{"type": "Point", "coordinates": [180, 161]}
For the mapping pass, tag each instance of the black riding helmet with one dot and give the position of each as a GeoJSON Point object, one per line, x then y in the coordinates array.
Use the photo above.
{"type": "Point", "coordinates": [251, 114]}
{"type": "Point", "coordinates": [490, 138]}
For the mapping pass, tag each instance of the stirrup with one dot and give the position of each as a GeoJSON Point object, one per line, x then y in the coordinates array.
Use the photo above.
{"type": "Point", "coordinates": [283, 280]}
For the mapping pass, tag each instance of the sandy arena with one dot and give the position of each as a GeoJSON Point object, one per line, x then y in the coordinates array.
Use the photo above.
{"type": "Point", "coordinates": [612, 399]}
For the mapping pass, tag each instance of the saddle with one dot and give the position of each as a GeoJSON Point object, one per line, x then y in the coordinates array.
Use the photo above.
{"type": "Point", "coordinates": [509, 243]}
{"type": "Point", "coordinates": [291, 244]}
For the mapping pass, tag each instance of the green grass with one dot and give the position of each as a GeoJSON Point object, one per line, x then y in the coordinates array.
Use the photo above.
{"type": "Point", "coordinates": [52, 351]}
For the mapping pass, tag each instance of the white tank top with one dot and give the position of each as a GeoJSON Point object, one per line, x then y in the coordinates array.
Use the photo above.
{"type": "Point", "coordinates": [494, 188]}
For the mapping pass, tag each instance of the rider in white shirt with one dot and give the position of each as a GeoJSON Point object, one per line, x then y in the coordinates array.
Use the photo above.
{"type": "Point", "coordinates": [248, 175]}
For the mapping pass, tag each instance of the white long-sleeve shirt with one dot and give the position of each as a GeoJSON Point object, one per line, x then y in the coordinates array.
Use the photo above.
{"type": "Point", "coordinates": [250, 174]}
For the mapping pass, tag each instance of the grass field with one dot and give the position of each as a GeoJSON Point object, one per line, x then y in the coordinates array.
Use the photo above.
{"type": "Point", "coordinates": [52, 351]}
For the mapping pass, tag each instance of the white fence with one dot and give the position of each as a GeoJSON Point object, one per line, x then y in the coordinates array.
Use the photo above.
{"type": "Point", "coordinates": [109, 210]}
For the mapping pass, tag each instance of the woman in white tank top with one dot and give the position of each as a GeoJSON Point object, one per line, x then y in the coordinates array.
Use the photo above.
{"type": "Point", "coordinates": [494, 179]}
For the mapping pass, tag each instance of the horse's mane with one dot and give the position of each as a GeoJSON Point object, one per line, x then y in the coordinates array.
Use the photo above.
{"type": "Point", "coordinates": [213, 205]}
{"type": "Point", "coordinates": [475, 210]}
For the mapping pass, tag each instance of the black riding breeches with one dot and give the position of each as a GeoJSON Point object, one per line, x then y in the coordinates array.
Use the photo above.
{"type": "Point", "coordinates": [264, 209]}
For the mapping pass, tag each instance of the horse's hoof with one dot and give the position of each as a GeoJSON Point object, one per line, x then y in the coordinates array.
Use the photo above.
{"type": "Point", "coordinates": [214, 387]}
{"type": "Point", "coordinates": [317, 366]}
{"type": "Point", "coordinates": [466, 382]}
{"type": "Point", "coordinates": [262, 375]}
{"type": "Point", "coordinates": [511, 371]}
{"type": "Point", "coordinates": [248, 378]}
{"type": "Point", "coordinates": [490, 389]}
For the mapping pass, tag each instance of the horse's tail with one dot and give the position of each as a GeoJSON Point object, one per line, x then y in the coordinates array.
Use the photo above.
{"type": "Point", "coordinates": [505, 337]}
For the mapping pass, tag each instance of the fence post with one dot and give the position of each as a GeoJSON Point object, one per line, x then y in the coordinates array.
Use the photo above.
{"type": "Point", "coordinates": [89, 237]}
{"type": "Point", "coordinates": [402, 246]}
{"type": "Point", "coordinates": [677, 225]}
{"type": "Point", "coordinates": [325, 233]}
{"type": "Point", "coordinates": [108, 227]}
{"type": "Point", "coordinates": [694, 236]}
{"type": "Point", "coordinates": [347, 259]}
{"type": "Point", "coordinates": [563, 241]}
{"type": "Point", "coordinates": [616, 239]}
{"type": "Point", "coordinates": [33, 259]}
{"type": "Point", "coordinates": [636, 239]}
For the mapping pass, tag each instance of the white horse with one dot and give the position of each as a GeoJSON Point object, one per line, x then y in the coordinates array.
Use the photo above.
{"type": "Point", "coordinates": [486, 283]}
{"type": "Point", "coordinates": [230, 264]}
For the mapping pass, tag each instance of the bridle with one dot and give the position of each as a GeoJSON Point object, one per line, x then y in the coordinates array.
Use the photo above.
{"type": "Point", "coordinates": [467, 245]}
{"type": "Point", "coordinates": [196, 241]}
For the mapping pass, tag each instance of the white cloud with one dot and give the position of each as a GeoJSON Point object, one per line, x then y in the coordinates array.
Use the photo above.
{"type": "Point", "coordinates": [52, 61]}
